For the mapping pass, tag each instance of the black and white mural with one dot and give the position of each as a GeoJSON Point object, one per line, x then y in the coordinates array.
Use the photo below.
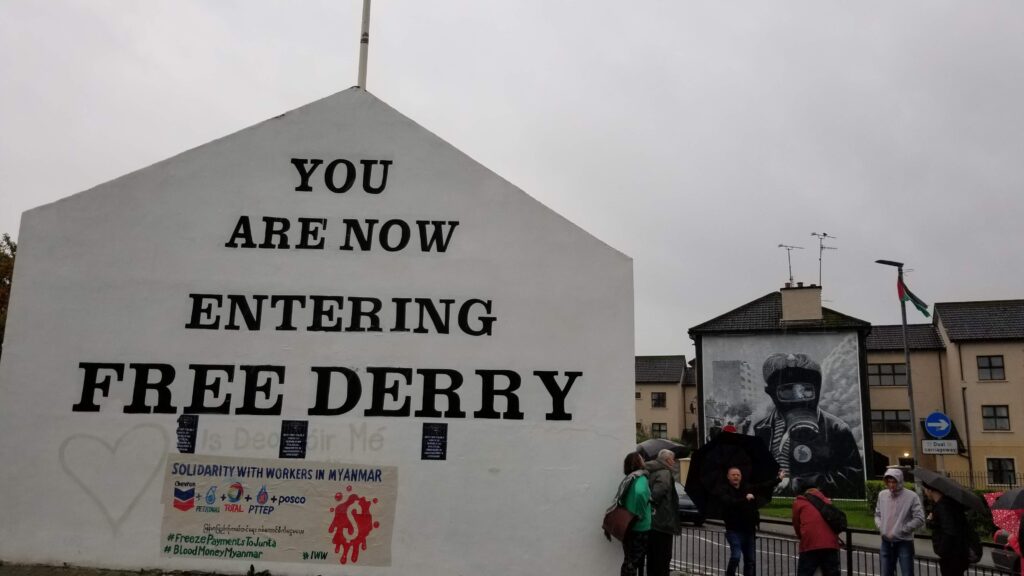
{"type": "Point", "coordinates": [801, 393]}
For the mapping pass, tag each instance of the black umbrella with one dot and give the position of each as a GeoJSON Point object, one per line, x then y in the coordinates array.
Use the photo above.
{"type": "Point", "coordinates": [710, 464]}
{"type": "Point", "coordinates": [951, 489]}
{"type": "Point", "coordinates": [1010, 500]}
{"type": "Point", "coordinates": [649, 448]}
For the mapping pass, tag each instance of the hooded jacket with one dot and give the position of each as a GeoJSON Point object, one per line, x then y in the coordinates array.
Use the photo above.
{"type": "Point", "coordinates": [664, 499]}
{"type": "Point", "coordinates": [898, 514]}
{"type": "Point", "coordinates": [810, 526]}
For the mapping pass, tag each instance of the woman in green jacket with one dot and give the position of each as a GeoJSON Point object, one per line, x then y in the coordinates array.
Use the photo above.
{"type": "Point", "coordinates": [636, 497]}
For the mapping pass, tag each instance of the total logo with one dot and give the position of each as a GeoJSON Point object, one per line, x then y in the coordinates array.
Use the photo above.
{"type": "Point", "coordinates": [235, 493]}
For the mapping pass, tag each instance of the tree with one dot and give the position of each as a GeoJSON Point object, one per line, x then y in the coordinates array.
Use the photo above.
{"type": "Point", "coordinates": [8, 250]}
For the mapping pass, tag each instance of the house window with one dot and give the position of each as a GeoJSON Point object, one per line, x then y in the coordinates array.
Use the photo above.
{"type": "Point", "coordinates": [995, 417]}
{"type": "Point", "coordinates": [991, 368]}
{"type": "Point", "coordinates": [639, 428]}
{"type": "Point", "coordinates": [657, 399]}
{"type": "Point", "coordinates": [887, 374]}
{"type": "Point", "coordinates": [1001, 471]}
{"type": "Point", "coordinates": [659, 430]}
{"type": "Point", "coordinates": [890, 421]}
{"type": "Point", "coordinates": [637, 395]}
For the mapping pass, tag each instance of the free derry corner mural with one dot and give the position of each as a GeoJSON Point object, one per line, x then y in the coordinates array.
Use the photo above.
{"type": "Point", "coordinates": [328, 339]}
{"type": "Point", "coordinates": [801, 393]}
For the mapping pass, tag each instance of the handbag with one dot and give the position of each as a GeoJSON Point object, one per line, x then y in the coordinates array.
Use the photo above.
{"type": "Point", "coordinates": [617, 522]}
{"type": "Point", "coordinates": [618, 519]}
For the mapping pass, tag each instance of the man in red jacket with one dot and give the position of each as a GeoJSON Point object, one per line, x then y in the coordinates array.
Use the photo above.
{"type": "Point", "coordinates": [819, 546]}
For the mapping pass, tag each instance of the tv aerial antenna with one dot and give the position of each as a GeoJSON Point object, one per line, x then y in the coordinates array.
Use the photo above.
{"type": "Point", "coordinates": [822, 236]}
{"type": "Point", "coordinates": [789, 258]}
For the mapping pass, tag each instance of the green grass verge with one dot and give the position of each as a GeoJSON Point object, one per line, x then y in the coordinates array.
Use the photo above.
{"type": "Point", "coordinates": [858, 515]}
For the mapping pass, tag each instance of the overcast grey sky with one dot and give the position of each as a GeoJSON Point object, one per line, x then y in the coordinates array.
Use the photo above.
{"type": "Point", "coordinates": [694, 137]}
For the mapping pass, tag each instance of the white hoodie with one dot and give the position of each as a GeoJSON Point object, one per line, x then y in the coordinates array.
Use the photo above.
{"type": "Point", "coordinates": [898, 514]}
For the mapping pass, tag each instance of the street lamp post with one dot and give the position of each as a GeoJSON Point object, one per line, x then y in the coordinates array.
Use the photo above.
{"type": "Point", "coordinates": [906, 359]}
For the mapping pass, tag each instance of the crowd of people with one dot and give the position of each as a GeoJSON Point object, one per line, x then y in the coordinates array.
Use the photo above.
{"type": "Point", "coordinates": [648, 491]}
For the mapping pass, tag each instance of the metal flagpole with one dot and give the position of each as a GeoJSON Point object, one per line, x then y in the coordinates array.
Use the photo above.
{"type": "Point", "coordinates": [910, 383]}
{"type": "Point", "coordinates": [364, 44]}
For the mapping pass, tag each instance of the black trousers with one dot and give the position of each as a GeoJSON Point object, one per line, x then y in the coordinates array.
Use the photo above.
{"type": "Point", "coordinates": [659, 553]}
{"type": "Point", "coordinates": [953, 566]}
{"type": "Point", "coordinates": [634, 549]}
{"type": "Point", "coordinates": [827, 559]}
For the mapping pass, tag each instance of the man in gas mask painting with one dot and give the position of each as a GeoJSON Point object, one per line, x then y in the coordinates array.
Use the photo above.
{"type": "Point", "coordinates": [809, 443]}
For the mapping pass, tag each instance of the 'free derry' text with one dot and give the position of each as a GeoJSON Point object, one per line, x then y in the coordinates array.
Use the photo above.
{"type": "Point", "coordinates": [375, 391]}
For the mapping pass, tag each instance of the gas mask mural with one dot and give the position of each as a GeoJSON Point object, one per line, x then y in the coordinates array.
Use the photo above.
{"type": "Point", "coordinates": [810, 417]}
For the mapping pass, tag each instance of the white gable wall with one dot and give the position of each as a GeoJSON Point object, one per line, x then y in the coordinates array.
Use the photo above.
{"type": "Point", "coordinates": [105, 276]}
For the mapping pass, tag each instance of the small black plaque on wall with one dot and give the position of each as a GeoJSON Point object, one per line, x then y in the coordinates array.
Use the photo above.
{"type": "Point", "coordinates": [435, 441]}
{"type": "Point", "coordinates": [187, 426]}
{"type": "Point", "coordinates": [293, 438]}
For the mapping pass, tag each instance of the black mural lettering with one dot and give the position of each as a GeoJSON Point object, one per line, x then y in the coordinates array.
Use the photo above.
{"type": "Point", "coordinates": [435, 238]}
{"type": "Point", "coordinates": [368, 175]}
{"type": "Point", "coordinates": [403, 235]}
{"type": "Point", "coordinates": [309, 231]}
{"type": "Point", "coordinates": [143, 386]}
{"type": "Point", "coordinates": [322, 310]}
{"type": "Point", "coordinates": [490, 394]}
{"type": "Point", "coordinates": [304, 173]}
{"type": "Point", "coordinates": [201, 383]}
{"type": "Point", "coordinates": [201, 310]}
{"type": "Point", "coordinates": [358, 313]}
{"type": "Point", "coordinates": [431, 392]}
{"type": "Point", "coordinates": [91, 383]}
{"type": "Point", "coordinates": [243, 233]}
{"type": "Point", "coordinates": [364, 239]}
{"type": "Point", "coordinates": [485, 321]}
{"type": "Point", "coordinates": [350, 176]}
{"type": "Point", "coordinates": [275, 228]}
{"type": "Point", "coordinates": [353, 390]}
{"type": "Point", "coordinates": [288, 306]}
{"type": "Point", "coordinates": [240, 304]}
{"type": "Point", "coordinates": [383, 387]}
{"type": "Point", "coordinates": [440, 323]}
{"type": "Point", "coordinates": [254, 386]}
{"type": "Point", "coordinates": [400, 304]}
{"type": "Point", "coordinates": [557, 393]}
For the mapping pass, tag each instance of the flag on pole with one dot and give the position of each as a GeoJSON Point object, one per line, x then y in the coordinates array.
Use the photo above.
{"type": "Point", "coordinates": [906, 295]}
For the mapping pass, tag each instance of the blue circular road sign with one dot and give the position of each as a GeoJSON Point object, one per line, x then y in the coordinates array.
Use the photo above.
{"type": "Point", "coordinates": [938, 425]}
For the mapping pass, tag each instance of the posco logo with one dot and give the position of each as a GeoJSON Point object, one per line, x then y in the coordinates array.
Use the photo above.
{"type": "Point", "coordinates": [291, 500]}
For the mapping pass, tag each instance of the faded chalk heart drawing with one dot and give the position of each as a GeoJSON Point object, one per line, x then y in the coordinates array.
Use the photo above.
{"type": "Point", "coordinates": [114, 476]}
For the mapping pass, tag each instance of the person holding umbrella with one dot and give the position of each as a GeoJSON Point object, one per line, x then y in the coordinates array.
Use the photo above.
{"type": "Point", "coordinates": [954, 541]}
{"type": "Point", "coordinates": [665, 509]}
{"type": "Point", "coordinates": [740, 514]}
{"type": "Point", "coordinates": [948, 522]}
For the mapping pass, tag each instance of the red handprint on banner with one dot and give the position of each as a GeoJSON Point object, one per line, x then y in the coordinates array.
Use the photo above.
{"type": "Point", "coordinates": [352, 524]}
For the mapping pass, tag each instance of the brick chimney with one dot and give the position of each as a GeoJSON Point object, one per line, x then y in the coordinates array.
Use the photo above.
{"type": "Point", "coordinates": [801, 303]}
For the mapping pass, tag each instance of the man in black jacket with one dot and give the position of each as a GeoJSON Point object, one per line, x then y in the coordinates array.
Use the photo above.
{"type": "Point", "coordinates": [665, 513]}
{"type": "Point", "coordinates": [741, 517]}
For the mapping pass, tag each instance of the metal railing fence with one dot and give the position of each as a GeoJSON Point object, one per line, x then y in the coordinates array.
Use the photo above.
{"type": "Point", "coordinates": [704, 551]}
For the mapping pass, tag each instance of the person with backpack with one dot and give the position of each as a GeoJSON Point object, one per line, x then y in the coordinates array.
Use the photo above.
{"type": "Point", "coordinates": [819, 539]}
{"type": "Point", "coordinates": [635, 494]}
{"type": "Point", "coordinates": [951, 534]}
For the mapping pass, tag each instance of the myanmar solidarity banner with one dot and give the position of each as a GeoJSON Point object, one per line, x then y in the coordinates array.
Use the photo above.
{"type": "Point", "coordinates": [278, 510]}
